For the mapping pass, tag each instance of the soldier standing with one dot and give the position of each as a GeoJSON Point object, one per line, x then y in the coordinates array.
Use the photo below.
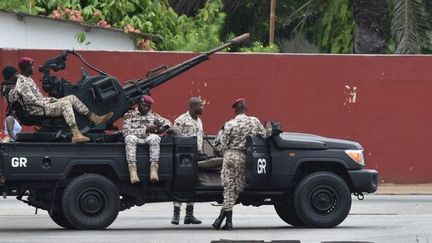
{"type": "Point", "coordinates": [234, 158]}
{"type": "Point", "coordinates": [27, 93]}
{"type": "Point", "coordinates": [189, 124]}
{"type": "Point", "coordinates": [141, 126]}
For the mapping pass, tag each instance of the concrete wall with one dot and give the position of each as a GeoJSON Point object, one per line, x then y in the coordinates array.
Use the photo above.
{"type": "Point", "coordinates": [33, 32]}
{"type": "Point", "coordinates": [383, 102]}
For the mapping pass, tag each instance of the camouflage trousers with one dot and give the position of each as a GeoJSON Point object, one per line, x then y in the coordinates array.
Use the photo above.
{"type": "Point", "coordinates": [131, 142]}
{"type": "Point", "coordinates": [64, 107]}
{"type": "Point", "coordinates": [233, 177]}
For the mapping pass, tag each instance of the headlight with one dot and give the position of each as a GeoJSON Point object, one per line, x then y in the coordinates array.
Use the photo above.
{"type": "Point", "coordinates": [356, 155]}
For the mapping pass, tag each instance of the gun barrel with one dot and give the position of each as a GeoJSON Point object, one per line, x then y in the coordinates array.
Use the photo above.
{"type": "Point", "coordinates": [139, 87]}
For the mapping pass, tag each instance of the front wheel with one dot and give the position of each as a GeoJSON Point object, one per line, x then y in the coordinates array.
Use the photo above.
{"type": "Point", "coordinates": [58, 217]}
{"type": "Point", "coordinates": [286, 211]}
{"type": "Point", "coordinates": [322, 199]}
{"type": "Point", "coordinates": [90, 202]}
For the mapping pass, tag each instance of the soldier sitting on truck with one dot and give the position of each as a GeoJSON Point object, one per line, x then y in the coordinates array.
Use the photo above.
{"type": "Point", "coordinates": [141, 126]}
{"type": "Point", "coordinates": [27, 93]}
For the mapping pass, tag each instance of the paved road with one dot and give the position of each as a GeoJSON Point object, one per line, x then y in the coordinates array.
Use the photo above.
{"type": "Point", "coordinates": [379, 218]}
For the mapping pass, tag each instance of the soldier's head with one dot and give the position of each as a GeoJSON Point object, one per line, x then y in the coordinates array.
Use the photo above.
{"type": "Point", "coordinates": [25, 65]}
{"type": "Point", "coordinates": [9, 73]}
{"type": "Point", "coordinates": [145, 104]}
{"type": "Point", "coordinates": [196, 106]}
{"type": "Point", "coordinates": [240, 106]}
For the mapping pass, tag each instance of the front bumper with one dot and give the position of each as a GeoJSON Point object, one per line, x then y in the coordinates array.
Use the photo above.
{"type": "Point", "coordinates": [364, 180]}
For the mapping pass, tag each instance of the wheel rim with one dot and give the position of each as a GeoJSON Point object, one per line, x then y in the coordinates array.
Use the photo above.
{"type": "Point", "coordinates": [91, 201]}
{"type": "Point", "coordinates": [323, 199]}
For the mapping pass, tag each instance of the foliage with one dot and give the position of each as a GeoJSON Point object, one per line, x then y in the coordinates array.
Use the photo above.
{"type": "Point", "coordinates": [82, 38]}
{"type": "Point", "coordinates": [23, 6]}
{"type": "Point", "coordinates": [259, 47]}
{"type": "Point", "coordinates": [252, 16]}
{"type": "Point", "coordinates": [334, 31]}
{"type": "Point", "coordinates": [198, 33]}
{"type": "Point", "coordinates": [410, 26]}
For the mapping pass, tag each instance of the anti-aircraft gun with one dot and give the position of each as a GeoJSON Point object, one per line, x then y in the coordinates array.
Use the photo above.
{"type": "Point", "coordinates": [101, 94]}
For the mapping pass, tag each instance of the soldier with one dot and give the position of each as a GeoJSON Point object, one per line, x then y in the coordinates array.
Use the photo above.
{"type": "Point", "coordinates": [141, 125]}
{"type": "Point", "coordinates": [10, 76]}
{"type": "Point", "coordinates": [28, 94]}
{"type": "Point", "coordinates": [189, 124]}
{"type": "Point", "coordinates": [234, 158]}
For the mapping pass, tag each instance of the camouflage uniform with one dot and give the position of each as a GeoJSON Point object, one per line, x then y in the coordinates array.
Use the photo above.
{"type": "Point", "coordinates": [190, 127]}
{"type": "Point", "coordinates": [134, 131]}
{"type": "Point", "coordinates": [40, 105]}
{"type": "Point", "coordinates": [234, 160]}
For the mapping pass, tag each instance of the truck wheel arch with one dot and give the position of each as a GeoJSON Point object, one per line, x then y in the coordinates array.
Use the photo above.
{"type": "Point", "coordinates": [307, 166]}
{"type": "Point", "coordinates": [105, 168]}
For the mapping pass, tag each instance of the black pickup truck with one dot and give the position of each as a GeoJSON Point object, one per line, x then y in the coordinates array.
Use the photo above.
{"type": "Point", "coordinates": [309, 179]}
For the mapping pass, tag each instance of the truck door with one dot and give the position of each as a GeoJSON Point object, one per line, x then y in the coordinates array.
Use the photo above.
{"type": "Point", "coordinates": [258, 163]}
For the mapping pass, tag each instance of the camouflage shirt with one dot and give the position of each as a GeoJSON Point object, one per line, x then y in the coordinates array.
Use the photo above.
{"type": "Point", "coordinates": [29, 92]}
{"type": "Point", "coordinates": [134, 123]}
{"type": "Point", "coordinates": [190, 127]}
{"type": "Point", "coordinates": [238, 129]}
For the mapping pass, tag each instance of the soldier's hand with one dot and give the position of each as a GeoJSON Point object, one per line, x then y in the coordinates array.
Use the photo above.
{"type": "Point", "coordinates": [152, 129]}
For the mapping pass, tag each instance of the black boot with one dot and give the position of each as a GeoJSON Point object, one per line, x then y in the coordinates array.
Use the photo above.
{"type": "Point", "coordinates": [176, 216]}
{"type": "Point", "coordinates": [189, 218]}
{"type": "Point", "coordinates": [217, 223]}
{"type": "Point", "coordinates": [228, 223]}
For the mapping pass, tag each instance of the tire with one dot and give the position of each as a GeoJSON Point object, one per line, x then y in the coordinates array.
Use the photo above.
{"type": "Point", "coordinates": [58, 217]}
{"type": "Point", "coordinates": [322, 200]}
{"type": "Point", "coordinates": [287, 213]}
{"type": "Point", "coordinates": [90, 202]}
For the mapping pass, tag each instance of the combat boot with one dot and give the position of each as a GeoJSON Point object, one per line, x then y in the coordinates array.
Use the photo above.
{"type": "Point", "coordinates": [96, 119]}
{"type": "Point", "coordinates": [189, 218]}
{"type": "Point", "coordinates": [228, 223]}
{"type": "Point", "coordinates": [77, 137]}
{"type": "Point", "coordinates": [154, 166]}
{"type": "Point", "coordinates": [133, 173]}
{"type": "Point", "coordinates": [217, 223]}
{"type": "Point", "coordinates": [176, 216]}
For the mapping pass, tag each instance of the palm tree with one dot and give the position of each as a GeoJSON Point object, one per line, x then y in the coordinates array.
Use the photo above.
{"type": "Point", "coordinates": [410, 25]}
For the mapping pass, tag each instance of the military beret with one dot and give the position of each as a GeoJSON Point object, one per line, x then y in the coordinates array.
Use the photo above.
{"type": "Point", "coordinates": [26, 60]}
{"type": "Point", "coordinates": [147, 99]}
{"type": "Point", "coordinates": [238, 101]}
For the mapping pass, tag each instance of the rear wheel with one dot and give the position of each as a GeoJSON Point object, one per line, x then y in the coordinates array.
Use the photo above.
{"type": "Point", "coordinates": [322, 199]}
{"type": "Point", "coordinates": [90, 201]}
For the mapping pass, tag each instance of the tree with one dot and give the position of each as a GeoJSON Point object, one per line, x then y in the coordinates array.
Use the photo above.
{"type": "Point", "coordinates": [372, 26]}
{"type": "Point", "coordinates": [410, 26]}
{"type": "Point", "coordinates": [179, 32]}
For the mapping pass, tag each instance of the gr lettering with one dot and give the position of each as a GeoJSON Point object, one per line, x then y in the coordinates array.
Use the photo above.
{"type": "Point", "coordinates": [19, 162]}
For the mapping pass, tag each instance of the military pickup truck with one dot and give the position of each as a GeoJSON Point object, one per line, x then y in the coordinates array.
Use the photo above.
{"type": "Point", "coordinates": [309, 179]}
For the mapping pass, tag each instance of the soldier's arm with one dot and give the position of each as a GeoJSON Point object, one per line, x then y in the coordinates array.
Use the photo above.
{"type": "Point", "coordinates": [166, 122]}
{"type": "Point", "coordinates": [260, 129]}
{"type": "Point", "coordinates": [225, 137]}
{"type": "Point", "coordinates": [178, 123]}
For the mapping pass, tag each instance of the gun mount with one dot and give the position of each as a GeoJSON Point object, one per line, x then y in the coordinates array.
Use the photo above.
{"type": "Point", "coordinates": [103, 93]}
